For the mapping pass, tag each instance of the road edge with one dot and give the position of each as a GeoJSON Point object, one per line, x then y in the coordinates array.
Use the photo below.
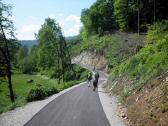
{"type": "Point", "coordinates": [110, 107]}
{"type": "Point", "coordinates": [10, 116]}
{"type": "Point", "coordinates": [58, 95]}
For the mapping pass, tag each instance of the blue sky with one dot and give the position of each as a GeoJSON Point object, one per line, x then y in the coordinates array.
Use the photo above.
{"type": "Point", "coordinates": [29, 15]}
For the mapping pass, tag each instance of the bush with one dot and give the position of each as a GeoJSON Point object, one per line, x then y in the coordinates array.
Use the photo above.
{"type": "Point", "coordinates": [40, 93]}
{"type": "Point", "coordinates": [52, 90]}
{"type": "Point", "coordinates": [157, 31]}
{"type": "Point", "coordinates": [36, 94]}
{"type": "Point", "coordinates": [79, 73]}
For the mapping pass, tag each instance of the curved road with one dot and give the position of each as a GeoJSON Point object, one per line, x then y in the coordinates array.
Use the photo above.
{"type": "Point", "coordinates": [78, 107]}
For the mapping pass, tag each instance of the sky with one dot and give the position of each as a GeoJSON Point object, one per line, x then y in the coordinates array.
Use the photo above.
{"type": "Point", "coordinates": [29, 15]}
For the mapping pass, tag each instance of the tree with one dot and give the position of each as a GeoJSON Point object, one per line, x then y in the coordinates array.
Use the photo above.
{"type": "Point", "coordinates": [121, 13]}
{"type": "Point", "coordinates": [6, 28]}
{"type": "Point", "coordinates": [53, 52]}
{"type": "Point", "coordinates": [34, 57]}
{"type": "Point", "coordinates": [24, 60]}
{"type": "Point", "coordinates": [87, 28]}
{"type": "Point", "coordinates": [99, 18]}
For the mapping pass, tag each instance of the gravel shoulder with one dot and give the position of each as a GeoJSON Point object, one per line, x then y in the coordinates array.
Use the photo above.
{"type": "Point", "coordinates": [21, 115]}
{"type": "Point", "coordinates": [110, 107]}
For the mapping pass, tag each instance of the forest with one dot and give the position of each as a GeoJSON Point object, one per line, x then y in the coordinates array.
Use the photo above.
{"type": "Point", "coordinates": [106, 16]}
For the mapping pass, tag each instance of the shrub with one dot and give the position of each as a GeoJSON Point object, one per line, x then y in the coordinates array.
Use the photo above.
{"type": "Point", "coordinates": [51, 90]}
{"type": "Point", "coordinates": [79, 73]}
{"type": "Point", "coordinates": [36, 94]}
{"type": "Point", "coordinates": [138, 48]}
{"type": "Point", "coordinates": [41, 92]}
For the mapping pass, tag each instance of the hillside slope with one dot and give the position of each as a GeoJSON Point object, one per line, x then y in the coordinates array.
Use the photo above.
{"type": "Point", "coordinates": [115, 48]}
{"type": "Point", "coordinates": [141, 81]}
{"type": "Point", "coordinates": [138, 71]}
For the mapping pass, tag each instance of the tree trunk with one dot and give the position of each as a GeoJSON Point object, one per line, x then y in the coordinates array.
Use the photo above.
{"type": "Point", "coordinates": [127, 10]}
{"type": "Point", "coordinates": [10, 83]}
{"type": "Point", "coordinates": [8, 63]}
{"type": "Point", "coordinates": [154, 11]}
{"type": "Point", "coordinates": [138, 16]}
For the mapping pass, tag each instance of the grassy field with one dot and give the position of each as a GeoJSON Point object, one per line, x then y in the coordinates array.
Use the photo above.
{"type": "Point", "coordinates": [22, 88]}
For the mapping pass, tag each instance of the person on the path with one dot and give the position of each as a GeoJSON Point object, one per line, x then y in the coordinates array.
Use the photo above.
{"type": "Point", "coordinates": [89, 78]}
{"type": "Point", "coordinates": [94, 69]}
{"type": "Point", "coordinates": [95, 82]}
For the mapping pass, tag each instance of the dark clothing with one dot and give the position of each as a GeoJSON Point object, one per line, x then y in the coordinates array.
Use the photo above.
{"type": "Point", "coordinates": [90, 77]}
{"type": "Point", "coordinates": [95, 82]}
{"type": "Point", "coordinates": [96, 76]}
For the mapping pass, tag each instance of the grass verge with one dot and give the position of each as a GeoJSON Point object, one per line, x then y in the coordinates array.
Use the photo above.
{"type": "Point", "coordinates": [40, 88]}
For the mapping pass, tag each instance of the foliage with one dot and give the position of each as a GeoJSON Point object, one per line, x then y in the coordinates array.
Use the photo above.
{"type": "Point", "coordinates": [36, 94]}
{"type": "Point", "coordinates": [6, 37]}
{"type": "Point", "coordinates": [157, 32]}
{"type": "Point", "coordinates": [149, 61]}
{"type": "Point", "coordinates": [73, 44]}
{"type": "Point", "coordinates": [26, 62]}
{"type": "Point", "coordinates": [116, 47]}
{"type": "Point", "coordinates": [53, 54]}
{"type": "Point", "coordinates": [27, 65]}
{"type": "Point", "coordinates": [98, 19]}
{"type": "Point", "coordinates": [34, 57]}
{"type": "Point", "coordinates": [40, 93]}
{"type": "Point", "coordinates": [7, 47]}
{"type": "Point", "coordinates": [127, 13]}
{"type": "Point", "coordinates": [120, 7]}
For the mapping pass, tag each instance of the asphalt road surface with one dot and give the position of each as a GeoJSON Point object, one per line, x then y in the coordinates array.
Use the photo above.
{"type": "Point", "coordinates": [80, 106]}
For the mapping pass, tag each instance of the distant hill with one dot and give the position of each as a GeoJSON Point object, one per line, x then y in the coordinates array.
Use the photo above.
{"type": "Point", "coordinates": [29, 43]}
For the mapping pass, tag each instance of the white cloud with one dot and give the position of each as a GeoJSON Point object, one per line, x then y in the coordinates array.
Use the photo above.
{"type": "Point", "coordinates": [56, 17]}
{"type": "Point", "coordinates": [73, 18]}
{"type": "Point", "coordinates": [52, 16]}
{"type": "Point", "coordinates": [26, 36]}
{"type": "Point", "coordinates": [28, 27]}
{"type": "Point", "coordinates": [27, 31]}
{"type": "Point", "coordinates": [71, 25]}
{"type": "Point", "coordinates": [31, 28]}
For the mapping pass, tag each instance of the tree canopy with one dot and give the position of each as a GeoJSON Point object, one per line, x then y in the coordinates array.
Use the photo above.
{"type": "Point", "coordinates": [7, 45]}
{"type": "Point", "coordinates": [127, 15]}
{"type": "Point", "coordinates": [99, 18]}
{"type": "Point", "coordinates": [53, 54]}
